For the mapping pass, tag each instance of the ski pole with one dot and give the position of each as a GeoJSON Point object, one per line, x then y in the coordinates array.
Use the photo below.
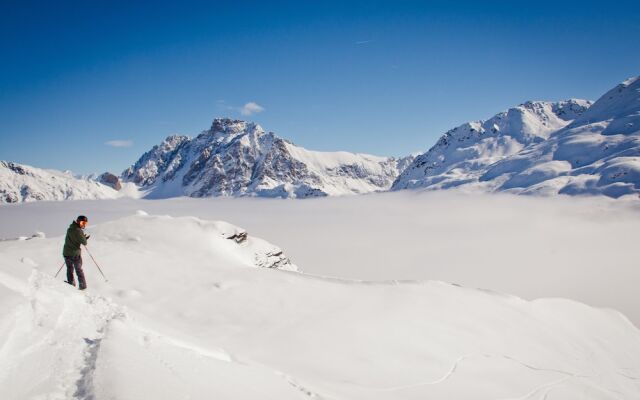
{"type": "Point", "coordinates": [96, 263]}
{"type": "Point", "coordinates": [63, 263]}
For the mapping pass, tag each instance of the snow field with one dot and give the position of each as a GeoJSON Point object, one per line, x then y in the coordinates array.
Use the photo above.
{"type": "Point", "coordinates": [188, 313]}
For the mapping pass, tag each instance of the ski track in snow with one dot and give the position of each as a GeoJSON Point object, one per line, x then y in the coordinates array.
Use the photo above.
{"type": "Point", "coordinates": [84, 385]}
{"type": "Point", "coordinates": [304, 390]}
{"type": "Point", "coordinates": [460, 359]}
{"type": "Point", "coordinates": [549, 386]}
{"type": "Point", "coordinates": [634, 378]}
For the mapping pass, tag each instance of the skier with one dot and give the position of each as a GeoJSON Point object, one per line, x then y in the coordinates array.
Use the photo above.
{"type": "Point", "coordinates": [72, 253]}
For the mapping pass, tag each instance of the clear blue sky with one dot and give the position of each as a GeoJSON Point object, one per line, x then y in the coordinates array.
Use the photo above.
{"type": "Point", "coordinates": [386, 78]}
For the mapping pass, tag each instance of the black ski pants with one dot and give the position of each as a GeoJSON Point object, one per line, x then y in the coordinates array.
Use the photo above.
{"type": "Point", "coordinates": [75, 263]}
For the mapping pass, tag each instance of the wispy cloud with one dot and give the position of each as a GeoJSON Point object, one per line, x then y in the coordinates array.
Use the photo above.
{"type": "Point", "coordinates": [251, 108]}
{"type": "Point", "coordinates": [363, 42]}
{"type": "Point", "coordinates": [119, 143]}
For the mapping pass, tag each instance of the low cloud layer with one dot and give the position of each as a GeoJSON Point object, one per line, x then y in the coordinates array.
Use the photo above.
{"type": "Point", "coordinates": [579, 248]}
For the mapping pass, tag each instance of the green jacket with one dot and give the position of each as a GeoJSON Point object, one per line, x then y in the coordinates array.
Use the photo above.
{"type": "Point", "coordinates": [75, 237]}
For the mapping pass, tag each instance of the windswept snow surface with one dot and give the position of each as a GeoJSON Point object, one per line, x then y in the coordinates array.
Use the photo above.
{"type": "Point", "coordinates": [188, 313]}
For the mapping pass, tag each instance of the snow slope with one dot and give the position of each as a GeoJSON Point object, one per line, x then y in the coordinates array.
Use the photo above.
{"type": "Point", "coordinates": [20, 183]}
{"type": "Point", "coordinates": [186, 314]}
{"type": "Point", "coordinates": [238, 158]}
{"type": "Point", "coordinates": [566, 148]}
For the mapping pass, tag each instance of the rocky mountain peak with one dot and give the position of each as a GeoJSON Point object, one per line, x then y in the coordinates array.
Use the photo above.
{"type": "Point", "coordinates": [173, 141]}
{"type": "Point", "coordinates": [17, 168]}
{"type": "Point", "coordinates": [571, 109]}
{"type": "Point", "coordinates": [228, 126]}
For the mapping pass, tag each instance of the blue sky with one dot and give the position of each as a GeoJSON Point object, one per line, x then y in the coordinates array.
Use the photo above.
{"type": "Point", "coordinates": [385, 78]}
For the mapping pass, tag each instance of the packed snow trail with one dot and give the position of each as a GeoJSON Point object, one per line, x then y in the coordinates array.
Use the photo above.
{"type": "Point", "coordinates": [57, 329]}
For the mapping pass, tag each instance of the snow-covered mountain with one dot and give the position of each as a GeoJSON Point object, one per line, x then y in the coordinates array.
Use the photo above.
{"type": "Point", "coordinates": [20, 183]}
{"type": "Point", "coordinates": [566, 147]}
{"type": "Point", "coordinates": [238, 158]}
{"type": "Point", "coordinates": [598, 153]}
{"type": "Point", "coordinates": [569, 147]}
{"type": "Point", "coordinates": [188, 313]}
{"type": "Point", "coordinates": [461, 155]}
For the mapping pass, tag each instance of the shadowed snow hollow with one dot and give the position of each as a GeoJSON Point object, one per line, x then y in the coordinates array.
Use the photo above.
{"type": "Point", "coordinates": [186, 314]}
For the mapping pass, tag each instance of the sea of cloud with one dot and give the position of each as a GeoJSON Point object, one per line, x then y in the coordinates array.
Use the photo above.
{"type": "Point", "coordinates": [571, 247]}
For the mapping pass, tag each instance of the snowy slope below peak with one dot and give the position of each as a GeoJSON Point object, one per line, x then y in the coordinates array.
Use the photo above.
{"type": "Point", "coordinates": [185, 315]}
{"type": "Point", "coordinates": [22, 183]}
{"type": "Point", "coordinates": [238, 158]}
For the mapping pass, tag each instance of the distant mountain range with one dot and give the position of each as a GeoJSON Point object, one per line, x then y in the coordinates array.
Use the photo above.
{"type": "Point", "coordinates": [569, 147]}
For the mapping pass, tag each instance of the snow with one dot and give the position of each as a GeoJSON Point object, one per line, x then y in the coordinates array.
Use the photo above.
{"type": "Point", "coordinates": [189, 313]}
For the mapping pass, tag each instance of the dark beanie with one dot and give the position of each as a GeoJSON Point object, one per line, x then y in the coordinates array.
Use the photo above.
{"type": "Point", "coordinates": [82, 218]}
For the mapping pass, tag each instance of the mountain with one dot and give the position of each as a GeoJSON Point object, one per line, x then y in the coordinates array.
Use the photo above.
{"type": "Point", "coordinates": [598, 153]}
{"type": "Point", "coordinates": [571, 147]}
{"type": "Point", "coordinates": [238, 158]}
{"type": "Point", "coordinates": [20, 183]}
{"type": "Point", "coordinates": [462, 154]}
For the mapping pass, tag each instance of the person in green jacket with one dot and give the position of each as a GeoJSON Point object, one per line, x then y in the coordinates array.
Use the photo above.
{"type": "Point", "coordinates": [72, 253]}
